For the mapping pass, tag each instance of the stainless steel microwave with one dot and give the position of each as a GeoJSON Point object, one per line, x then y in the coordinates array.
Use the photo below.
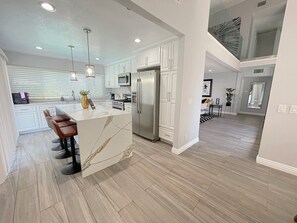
{"type": "Point", "coordinates": [124, 79]}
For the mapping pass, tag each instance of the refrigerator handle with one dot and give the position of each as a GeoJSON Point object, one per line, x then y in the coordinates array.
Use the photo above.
{"type": "Point", "coordinates": [137, 97]}
{"type": "Point", "coordinates": [140, 96]}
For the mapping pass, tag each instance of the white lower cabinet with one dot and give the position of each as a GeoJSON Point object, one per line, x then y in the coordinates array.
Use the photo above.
{"type": "Point", "coordinates": [167, 104]}
{"type": "Point", "coordinates": [30, 118]}
{"type": "Point", "coordinates": [26, 118]}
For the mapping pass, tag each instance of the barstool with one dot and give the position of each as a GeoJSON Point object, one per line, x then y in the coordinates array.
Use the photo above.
{"type": "Point", "coordinates": [64, 145]}
{"type": "Point", "coordinates": [57, 118]}
{"type": "Point", "coordinates": [64, 133]}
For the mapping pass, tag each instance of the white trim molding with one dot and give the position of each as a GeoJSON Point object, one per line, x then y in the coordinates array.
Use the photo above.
{"type": "Point", "coordinates": [184, 147]}
{"type": "Point", "coordinates": [276, 165]}
{"type": "Point", "coordinates": [252, 113]}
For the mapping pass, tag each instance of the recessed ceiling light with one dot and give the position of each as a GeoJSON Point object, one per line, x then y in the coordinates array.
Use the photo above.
{"type": "Point", "coordinates": [137, 40]}
{"type": "Point", "coordinates": [97, 58]}
{"type": "Point", "coordinates": [47, 6]}
{"type": "Point", "coordinates": [39, 48]}
{"type": "Point", "coordinates": [209, 70]}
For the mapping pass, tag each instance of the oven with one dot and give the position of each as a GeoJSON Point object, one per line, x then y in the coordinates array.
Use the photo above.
{"type": "Point", "coordinates": [124, 79]}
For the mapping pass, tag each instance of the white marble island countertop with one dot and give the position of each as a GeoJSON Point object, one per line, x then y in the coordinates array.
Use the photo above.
{"type": "Point", "coordinates": [104, 135]}
{"type": "Point", "coordinates": [76, 112]}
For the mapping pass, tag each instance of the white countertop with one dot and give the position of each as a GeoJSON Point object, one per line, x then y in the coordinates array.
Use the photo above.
{"type": "Point", "coordinates": [76, 112]}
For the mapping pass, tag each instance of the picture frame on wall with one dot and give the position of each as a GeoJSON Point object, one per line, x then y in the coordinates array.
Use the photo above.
{"type": "Point", "coordinates": [207, 88]}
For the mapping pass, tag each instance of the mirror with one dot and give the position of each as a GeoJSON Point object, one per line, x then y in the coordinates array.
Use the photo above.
{"type": "Point", "coordinates": [256, 95]}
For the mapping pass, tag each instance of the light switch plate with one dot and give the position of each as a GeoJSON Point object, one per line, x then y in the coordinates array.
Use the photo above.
{"type": "Point", "coordinates": [293, 109]}
{"type": "Point", "coordinates": [282, 108]}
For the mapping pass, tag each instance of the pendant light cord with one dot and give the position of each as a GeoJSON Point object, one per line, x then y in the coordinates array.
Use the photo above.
{"type": "Point", "coordinates": [72, 59]}
{"type": "Point", "coordinates": [88, 46]}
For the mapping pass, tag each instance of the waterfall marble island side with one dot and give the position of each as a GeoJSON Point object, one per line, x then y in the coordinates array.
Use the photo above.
{"type": "Point", "coordinates": [104, 135]}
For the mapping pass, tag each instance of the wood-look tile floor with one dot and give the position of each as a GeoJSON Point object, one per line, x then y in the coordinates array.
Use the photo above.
{"type": "Point", "coordinates": [217, 180]}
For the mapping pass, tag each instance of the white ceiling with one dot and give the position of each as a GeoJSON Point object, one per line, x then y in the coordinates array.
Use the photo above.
{"type": "Point", "coordinates": [218, 5]}
{"type": "Point", "coordinates": [24, 25]}
{"type": "Point", "coordinates": [215, 66]}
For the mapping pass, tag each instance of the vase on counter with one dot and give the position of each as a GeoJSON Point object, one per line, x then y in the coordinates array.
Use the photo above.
{"type": "Point", "coordinates": [84, 102]}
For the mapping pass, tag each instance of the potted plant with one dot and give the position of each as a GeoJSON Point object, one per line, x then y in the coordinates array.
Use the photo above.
{"type": "Point", "coordinates": [84, 99]}
{"type": "Point", "coordinates": [229, 95]}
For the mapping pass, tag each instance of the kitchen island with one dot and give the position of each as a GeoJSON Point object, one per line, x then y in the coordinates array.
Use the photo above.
{"type": "Point", "coordinates": [104, 135]}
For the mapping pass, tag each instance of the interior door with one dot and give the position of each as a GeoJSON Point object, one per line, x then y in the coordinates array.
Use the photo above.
{"type": "Point", "coordinates": [147, 104]}
{"type": "Point", "coordinates": [134, 102]}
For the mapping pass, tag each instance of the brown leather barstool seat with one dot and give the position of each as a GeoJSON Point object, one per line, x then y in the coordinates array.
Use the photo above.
{"type": "Point", "coordinates": [64, 133]}
{"type": "Point", "coordinates": [57, 118]}
{"type": "Point", "coordinates": [63, 142]}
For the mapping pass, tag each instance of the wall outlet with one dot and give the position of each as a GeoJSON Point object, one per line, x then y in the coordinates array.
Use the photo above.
{"type": "Point", "coordinates": [282, 108]}
{"type": "Point", "coordinates": [293, 109]}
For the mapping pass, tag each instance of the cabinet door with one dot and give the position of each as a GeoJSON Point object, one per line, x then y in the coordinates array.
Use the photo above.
{"type": "Point", "coordinates": [165, 57]}
{"type": "Point", "coordinates": [164, 100]}
{"type": "Point", "coordinates": [153, 57]}
{"type": "Point", "coordinates": [109, 79]}
{"type": "Point", "coordinates": [173, 78]}
{"type": "Point", "coordinates": [115, 76]}
{"type": "Point", "coordinates": [133, 67]}
{"type": "Point", "coordinates": [171, 115]}
{"type": "Point", "coordinates": [141, 60]}
{"type": "Point", "coordinates": [26, 121]}
{"type": "Point", "coordinates": [174, 55]}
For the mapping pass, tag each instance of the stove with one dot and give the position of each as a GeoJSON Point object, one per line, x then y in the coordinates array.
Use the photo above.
{"type": "Point", "coordinates": [120, 103]}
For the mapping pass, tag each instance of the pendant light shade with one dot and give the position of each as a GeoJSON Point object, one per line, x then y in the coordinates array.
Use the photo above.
{"type": "Point", "coordinates": [72, 72]}
{"type": "Point", "coordinates": [90, 69]}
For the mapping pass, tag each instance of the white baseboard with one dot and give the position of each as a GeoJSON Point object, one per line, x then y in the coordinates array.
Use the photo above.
{"type": "Point", "coordinates": [184, 147]}
{"type": "Point", "coordinates": [228, 113]}
{"type": "Point", "coordinates": [276, 165]}
{"type": "Point", "coordinates": [251, 113]}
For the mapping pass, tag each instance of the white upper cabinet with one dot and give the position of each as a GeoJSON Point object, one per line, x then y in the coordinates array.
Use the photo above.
{"type": "Point", "coordinates": [125, 67]}
{"type": "Point", "coordinates": [109, 76]}
{"type": "Point", "coordinates": [165, 57]}
{"type": "Point", "coordinates": [169, 56]}
{"type": "Point", "coordinates": [148, 58]}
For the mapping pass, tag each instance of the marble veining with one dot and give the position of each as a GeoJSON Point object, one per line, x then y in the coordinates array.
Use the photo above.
{"type": "Point", "coordinates": [104, 135]}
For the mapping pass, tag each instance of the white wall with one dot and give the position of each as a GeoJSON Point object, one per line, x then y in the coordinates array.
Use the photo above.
{"type": "Point", "coordinates": [220, 82]}
{"type": "Point", "coordinates": [26, 60]}
{"type": "Point", "coordinates": [8, 132]}
{"type": "Point", "coordinates": [187, 19]}
{"type": "Point", "coordinates": [278, 147]}
{"type": "Point", "coordinates": [27, 68]}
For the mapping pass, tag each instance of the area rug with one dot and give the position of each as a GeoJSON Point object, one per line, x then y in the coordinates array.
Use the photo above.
{"type": "Point", "coordinates": [205, 118]}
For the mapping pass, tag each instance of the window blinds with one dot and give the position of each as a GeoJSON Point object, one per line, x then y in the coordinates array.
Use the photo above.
{"type": "Point", "coordinates": [51, 84]}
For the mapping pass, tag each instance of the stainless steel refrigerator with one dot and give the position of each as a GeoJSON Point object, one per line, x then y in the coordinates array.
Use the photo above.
{"type": "Point", "coordinates": [145, 91]}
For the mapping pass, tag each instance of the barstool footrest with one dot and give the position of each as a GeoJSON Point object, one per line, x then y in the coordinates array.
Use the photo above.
{"type": "Point", "coordinates": [71, 168]}
{"type": "Point", "coordinates": [57, 140]}
{"type": "Point", "coordinates": [63, 155]}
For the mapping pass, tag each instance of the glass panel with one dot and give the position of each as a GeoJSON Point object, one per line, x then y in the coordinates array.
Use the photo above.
{"type": "Point", "coordinates": [256, 95]}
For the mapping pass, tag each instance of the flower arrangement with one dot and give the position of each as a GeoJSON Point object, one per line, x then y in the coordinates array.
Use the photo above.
{"type": "Point", "coordinates": [84, 93]}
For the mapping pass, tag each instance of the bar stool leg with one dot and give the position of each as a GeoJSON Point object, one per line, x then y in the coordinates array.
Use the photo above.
{"type": "Point", "coordinates": [65, 154]}
{"type": "Point", "coordinates": [73, 167]}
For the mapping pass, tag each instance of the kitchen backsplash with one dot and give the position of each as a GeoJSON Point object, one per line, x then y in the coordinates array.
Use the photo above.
{"type": "Point", "coordinates": [50, 84]}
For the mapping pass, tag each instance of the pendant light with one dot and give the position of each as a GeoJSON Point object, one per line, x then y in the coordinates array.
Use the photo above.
{"type": "Point", "coordinates": [90, 69]}
{"type": "Point", "coordinates": [72, 72]}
